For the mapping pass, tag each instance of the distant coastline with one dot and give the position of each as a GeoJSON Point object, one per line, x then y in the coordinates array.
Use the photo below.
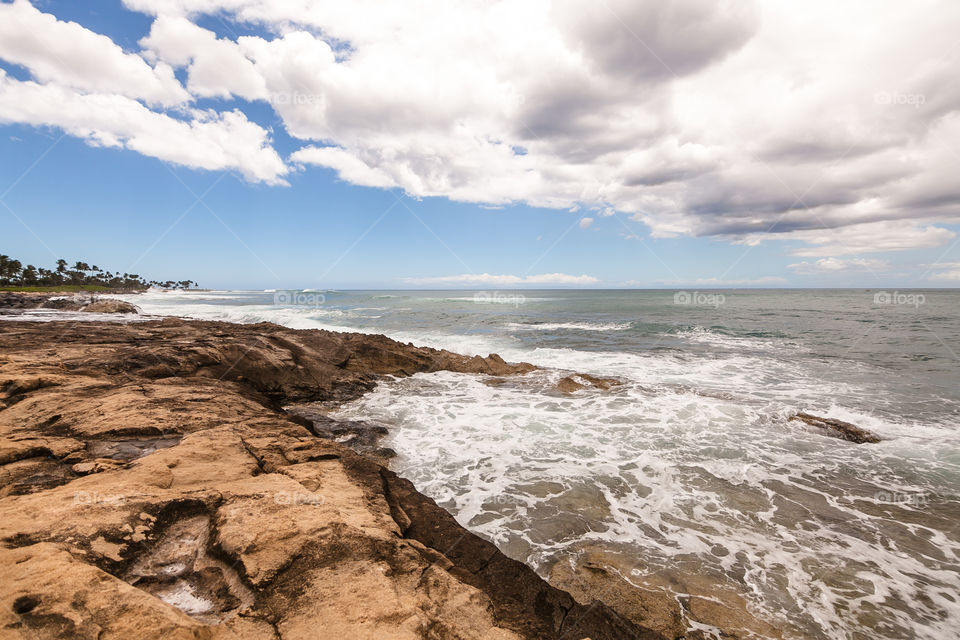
{"type": "Point", "coordinates": [81, 277]}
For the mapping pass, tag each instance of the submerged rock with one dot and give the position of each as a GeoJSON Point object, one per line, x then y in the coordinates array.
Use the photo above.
{"type": "Point", "coordinates": [578, 381]}
{"type": "Point", "coordinates": [838, 428]}
{"type": "Point", "coordinates": [668, 602]}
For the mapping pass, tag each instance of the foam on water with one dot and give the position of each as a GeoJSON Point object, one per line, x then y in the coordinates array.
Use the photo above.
{"type": "Point", "coordinates": [573, 326]}
{"type": "Point", "coordinates": [673, 474]}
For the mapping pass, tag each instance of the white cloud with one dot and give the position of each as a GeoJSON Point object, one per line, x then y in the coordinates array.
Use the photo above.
{"type": "Point", "coordinates": [72, 56]}
{"type": "Point", "coordinates": [209, 140]}
{"type": "Point", "coordinates": [834, 126]}
{"type": "Point", "coordinates": [834, 265]}
{"type": "Point", "coordinates": [745, 282]}
{"type": "Point", "coordinates": [486, 279]}
{"type": "Point", "coordinates": [215, 67]}
{"type": "Point", "coordinates": [585, 222]}
{"type": "Point", "coordinates": [347, 166]}
{"type": "Point", "coordinates": [871, 237]}
{"type": "Point", "coordinates": [943, 271]}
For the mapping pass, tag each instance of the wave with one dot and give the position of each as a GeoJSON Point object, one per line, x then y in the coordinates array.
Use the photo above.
{"type": "Point", "coordinates": [700, 472]}
{"type": "Point", "coordinates": [570, 326]}
{"type": "Point", "coordinates": [752, 340]}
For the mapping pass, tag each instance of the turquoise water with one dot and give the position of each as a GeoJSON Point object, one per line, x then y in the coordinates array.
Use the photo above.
{"type": "Point", "coordinates": [691, 465]}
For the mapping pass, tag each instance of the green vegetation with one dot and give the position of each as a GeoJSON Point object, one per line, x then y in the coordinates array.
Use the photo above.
{"type": "Point", "coordinates": [82, 277]}
{"type": "Point", "coordinates": [59, 288]}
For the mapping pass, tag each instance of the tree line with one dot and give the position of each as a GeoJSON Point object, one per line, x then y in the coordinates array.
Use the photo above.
{"type": "Point", "coordinates": [13, 273]}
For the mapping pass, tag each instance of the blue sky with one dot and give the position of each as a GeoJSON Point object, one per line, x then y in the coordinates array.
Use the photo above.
{"type": "Point", "coordinates": [297, 221]}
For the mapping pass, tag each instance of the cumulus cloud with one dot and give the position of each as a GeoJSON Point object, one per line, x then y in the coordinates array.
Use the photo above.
{"type": "Point", "coordinates": [834, 265]}
{"type": "Point", "coordinates": [585, 222]}
{"type": "Point", "coordinates": [209, 140]}
{"type": "Point", "coordinates": [215, 67]}
{"type": "Point", "coordinates": [72, 56]}
{"type": "Point", "coordinates": [486, 279]}
{"type": "Point", "coordinates": [749, 121]}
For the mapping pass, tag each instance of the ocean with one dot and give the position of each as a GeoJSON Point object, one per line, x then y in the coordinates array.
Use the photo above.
{"type": "Point", "coordinates": [691, 466]}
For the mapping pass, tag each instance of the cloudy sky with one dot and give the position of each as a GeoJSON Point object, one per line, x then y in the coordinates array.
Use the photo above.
{"type": "Point", "coordinates": [448, 143]}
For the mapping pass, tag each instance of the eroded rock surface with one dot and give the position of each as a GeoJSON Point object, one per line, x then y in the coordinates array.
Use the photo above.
{"type": "Point", "coordinates": [151, 486]}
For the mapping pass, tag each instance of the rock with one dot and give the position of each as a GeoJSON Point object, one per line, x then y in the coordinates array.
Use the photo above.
{"type": "Point", "coordinates": [217, 515]}
{"type": "Point", "coordinates": [96, 466]}
{"type": "Point", "coordinates": [667, 602]}
{"type": "Point", "coordinates": [110, 306]}
{"type": "Point", "coordinates": [578, 381]}
{"type": "Point", "coordinates": [66, 304]}
{"type": "Point", "coordinates": [838, 428]}
{"type": "Point", "coordinates": [361, 436]}
{"type": "Point", "coordinates": [22, 300]}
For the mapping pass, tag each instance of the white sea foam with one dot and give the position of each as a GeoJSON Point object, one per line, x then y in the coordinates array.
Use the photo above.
{"type": "Point", "coordinates": [793, 510]}
{"type": "Point", "coordinates": [572, 326]}
{"type": "Point", "coordinates": [693, 451]}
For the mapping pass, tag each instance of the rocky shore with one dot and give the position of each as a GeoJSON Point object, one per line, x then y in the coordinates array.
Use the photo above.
{"type": "Point", "coordinates": [153, 486]}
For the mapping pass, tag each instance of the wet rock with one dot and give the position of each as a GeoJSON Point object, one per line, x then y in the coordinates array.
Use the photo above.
{"type": "Point", "coordinates": [576, 382]}
{"type": "Point", "coordinates": [670, 603]}
{"type": "Point", "coordinates": [66, 304]}
{"type": "Point", "coordinates": [361, 436]}
{"type": "Point", "coordinates": [21, 300]}
{"type": "Point", "coordinates": [110, 306]}
{"type": "Point", "coordinates": [178, 569]}
{"type": "Point", "coordinates": [838, 428]}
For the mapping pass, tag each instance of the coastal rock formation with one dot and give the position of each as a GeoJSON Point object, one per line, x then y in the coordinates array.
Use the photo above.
{"type": "Point", "coordinates": [838, 428]}
{"type": "Point", "coordinates": [22, 300]}
{"type": "Point", "coordinates": [75, 303]}
{"type": "Point", "coordinates": [666, 601]}
{"type": "Point", "coordinates": [152, 486]}
{"type": "Point", "coordinates": [576, 382]}
{"type": "Point", "coordinates": [109, 306]}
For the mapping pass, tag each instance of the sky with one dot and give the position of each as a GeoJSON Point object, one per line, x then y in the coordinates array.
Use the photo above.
{"type": "Point", "coordinates": [469, 144]}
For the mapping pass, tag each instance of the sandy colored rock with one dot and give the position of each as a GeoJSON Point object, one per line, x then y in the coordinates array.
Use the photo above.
{"type": "Point", "coordinates": [110, 306]}
{"type": "Point", "coordinates": [157, 489]}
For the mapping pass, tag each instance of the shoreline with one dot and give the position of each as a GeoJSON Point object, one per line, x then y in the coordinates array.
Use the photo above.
{"type": "Point", "coordinates": [119, 440]}
{"type": "Point", "coordinates": [287, 381]}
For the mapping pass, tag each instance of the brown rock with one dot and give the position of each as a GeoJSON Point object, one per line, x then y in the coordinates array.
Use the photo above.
{"type": "Point", "coordinates": [578, 381]}
{"type": "Point", "coordinates": [215, 514]}
{"type": "Point", "coordinates": [667, 602]}
{"type": "Point", "coordinates": [838, 428]}
{"type": "Point", "coordinates": [110, 306]}
{"type": "Point", "coordinates": [96, 466]}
